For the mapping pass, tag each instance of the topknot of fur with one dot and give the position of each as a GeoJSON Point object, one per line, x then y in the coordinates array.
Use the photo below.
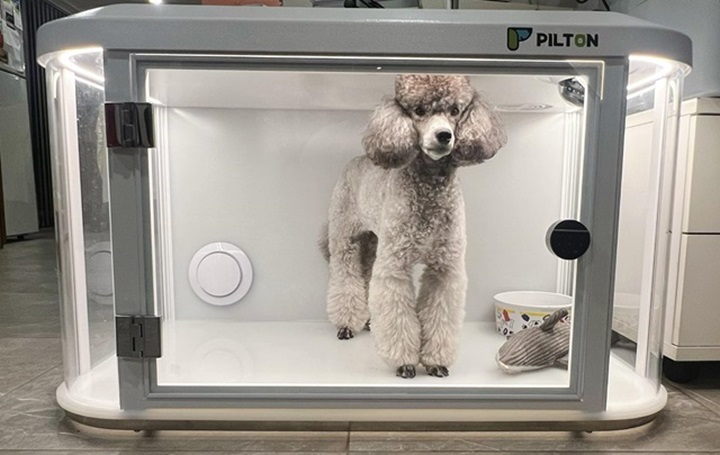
{"type": "Point", "coordinates": [433, 91]}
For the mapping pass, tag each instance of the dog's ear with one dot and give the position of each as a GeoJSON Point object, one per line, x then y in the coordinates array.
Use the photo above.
{"type": "Point", "coordinates": [390, 139]}
{"type": "Point", "coordinates": [480, 134]}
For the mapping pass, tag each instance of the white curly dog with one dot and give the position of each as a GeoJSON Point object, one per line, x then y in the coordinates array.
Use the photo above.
{"type": "Point", "coordinates": [401, 205]}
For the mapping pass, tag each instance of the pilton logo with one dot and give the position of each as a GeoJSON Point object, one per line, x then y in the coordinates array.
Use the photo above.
{"type": "Point", "coordinates": [516, 35]}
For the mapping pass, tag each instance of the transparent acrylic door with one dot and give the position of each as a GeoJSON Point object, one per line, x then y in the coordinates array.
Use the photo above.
{"type": "Point", "coordinates": [240, 183]}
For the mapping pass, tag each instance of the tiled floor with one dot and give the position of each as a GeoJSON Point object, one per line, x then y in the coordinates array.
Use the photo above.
{"type": "Point", "coordinates": [32, 423]}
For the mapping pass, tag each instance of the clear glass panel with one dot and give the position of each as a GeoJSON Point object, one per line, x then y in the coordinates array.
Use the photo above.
{"type": "Point", "coordinates": [76, 98]}
{"type": "Point", "coordinates": [66, 288]}
{"type": "Point", "coordinates": [248, 160]}
{"type": "Point", "coordinates": [671, 98]}
{"type": "Point", "coordinates": [654, 95]}
{"type": "Point", "coordinates": [90, 99]}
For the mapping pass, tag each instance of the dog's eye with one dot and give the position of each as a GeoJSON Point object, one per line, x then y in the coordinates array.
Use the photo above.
{"type": "Point", "coordinates": [420, 111]}
{"type": "Point", "coordinates": [454, 111]}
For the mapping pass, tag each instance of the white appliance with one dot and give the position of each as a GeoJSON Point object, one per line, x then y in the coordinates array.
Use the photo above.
{"type": "Point", "coordinates": [16, 160]}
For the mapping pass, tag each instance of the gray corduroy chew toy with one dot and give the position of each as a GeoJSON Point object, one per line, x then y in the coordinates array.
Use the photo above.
{"type": "Point", "coordinates": [537, 347]}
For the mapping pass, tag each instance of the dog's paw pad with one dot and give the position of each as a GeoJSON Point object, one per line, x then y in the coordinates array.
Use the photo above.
{"type": "Point", "coordinates": [367, 325]}
{"type": "Point", "coordinates": [438, 371]}
{"type": "Point", "coordinates": [406, 371]}
{"type": "Point", "coordinates": [345, 334]}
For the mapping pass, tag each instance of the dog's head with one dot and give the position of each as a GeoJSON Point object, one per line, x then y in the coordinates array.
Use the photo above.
{"type": "Point", "coordinates": [437, 115]}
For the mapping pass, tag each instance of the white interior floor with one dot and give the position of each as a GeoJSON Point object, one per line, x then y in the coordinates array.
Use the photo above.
{"type": "Point", "coordinates": [309, 353]}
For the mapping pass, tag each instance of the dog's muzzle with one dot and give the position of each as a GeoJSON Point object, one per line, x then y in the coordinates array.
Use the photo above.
{"type": "Point", "coordinates": [437, 136]}
{"type": "Point", "coordinates": [441, 145]}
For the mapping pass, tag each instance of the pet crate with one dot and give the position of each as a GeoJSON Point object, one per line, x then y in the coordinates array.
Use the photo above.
{"type": "Point", "coordinates": [195, 154]}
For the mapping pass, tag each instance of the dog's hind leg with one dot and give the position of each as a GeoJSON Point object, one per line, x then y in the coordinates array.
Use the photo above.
{"type": "Point", "coordinates": [368, 251]}
{"type": "Point", "coordinates": [324, 242]}
{"type": "Point", "coordinates": [441, 308]}
{"type": "Point", "coordinates": [347, 291]}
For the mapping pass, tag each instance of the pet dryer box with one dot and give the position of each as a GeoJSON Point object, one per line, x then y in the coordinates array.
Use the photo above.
{"type": "Point", "coordinates": [288, 214]}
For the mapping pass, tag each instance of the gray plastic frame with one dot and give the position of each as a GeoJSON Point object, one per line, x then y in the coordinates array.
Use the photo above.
{"type": "Point", "coordinates": [130, 202]}
{"type": "Point", "coordinates": [340, 31]}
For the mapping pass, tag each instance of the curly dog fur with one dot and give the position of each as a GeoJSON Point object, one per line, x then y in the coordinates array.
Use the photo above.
{"type": "Point", "coordinates": [401, 205]}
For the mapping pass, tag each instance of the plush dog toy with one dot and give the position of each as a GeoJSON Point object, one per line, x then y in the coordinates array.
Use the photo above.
{"type": "Point", "coordinates": [537, 347]}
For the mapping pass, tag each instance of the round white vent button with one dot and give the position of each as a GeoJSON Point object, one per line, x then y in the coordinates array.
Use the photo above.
{"type": "Point", "coordinates": [219, 274]}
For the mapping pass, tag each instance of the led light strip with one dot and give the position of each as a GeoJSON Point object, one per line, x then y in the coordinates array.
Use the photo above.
{"type": "Point", "coordinates": [66, 60]}
{"type": "Point", "coordinates": [664, 68]}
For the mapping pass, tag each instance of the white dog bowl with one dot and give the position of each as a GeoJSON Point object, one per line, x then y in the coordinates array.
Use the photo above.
{"type": "Point", "coordinates": [518, 310]}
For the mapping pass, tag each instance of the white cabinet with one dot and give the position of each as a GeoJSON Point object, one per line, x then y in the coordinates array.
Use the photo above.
{"type": "Point", "coordinates": [702, 184]}
{"type": "Point", "coordinates": [695, 334]}
{"type": "Point", "coordinates": [693, 298]}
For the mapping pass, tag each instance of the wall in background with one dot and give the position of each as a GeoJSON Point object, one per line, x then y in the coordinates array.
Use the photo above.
{"type": "Point", "coordinates": [699, 20]}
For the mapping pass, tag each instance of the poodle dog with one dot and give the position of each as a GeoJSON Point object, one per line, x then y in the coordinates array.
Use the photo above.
{"type": "Point", "coordinates": [401, 205]}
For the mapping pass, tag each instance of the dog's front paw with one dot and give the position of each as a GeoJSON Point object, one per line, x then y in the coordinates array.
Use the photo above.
{"type": "Point", "coordinates": [345, 333]}
{"type": "Point", "coordinates": [438, 371]}
{"type": "Point", "coordinates": [406, 371]}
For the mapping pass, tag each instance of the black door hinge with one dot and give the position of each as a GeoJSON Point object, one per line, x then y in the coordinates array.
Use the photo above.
{"type": "Point", "coordinates": [129, 125]}
{"type": "Point", "coordinates": [137, 336]}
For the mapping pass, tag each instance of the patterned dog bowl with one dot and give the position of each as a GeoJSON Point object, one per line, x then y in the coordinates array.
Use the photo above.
{"type": "Point", "coordinates": [518, 310]}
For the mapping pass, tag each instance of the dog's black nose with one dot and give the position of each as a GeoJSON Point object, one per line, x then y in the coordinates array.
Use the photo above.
{"type": "Point", "coordinates": [444, 137]}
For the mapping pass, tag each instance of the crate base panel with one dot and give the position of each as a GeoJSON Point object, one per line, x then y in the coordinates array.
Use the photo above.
{"type": "Point", "coordinates": [190, 424]}
{"type": "Point", "coordinates": [254, 347]}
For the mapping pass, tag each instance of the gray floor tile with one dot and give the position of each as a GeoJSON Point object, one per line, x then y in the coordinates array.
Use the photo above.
{"type": "Point", "coordinates": [250, 441]}
{"type": "Point", "coordinates": [532, 452]}
{"type": "Point", "coordinates": [29, 315]}
{"type": "Point", "coordinates": [57, 452]}
{"type": "Point", "coordinates": [225, 452]}
{"type": "Point", "coordinates": [232, 452]}
{"type": "Point", "coordinates": [706, 388]}
{"type": "Point", "coordinates": [22, 360]}
{"type": "Point", "coordinates": [29, 306]}
{"type": "Point", "coordinates": [685, 426]}
{"type": "Point", "coordinates": [35, 280]}
{"type": "Point", "coordinates": [494, 452]}
{"type": "Point", "coordinates": [154, 452]}
{"type": "Point", "coordinates": [31, 420]}
{"type": "Point", "coordinates": [30, 253]}
{"type": "Point", "coordinates": [708, 397]}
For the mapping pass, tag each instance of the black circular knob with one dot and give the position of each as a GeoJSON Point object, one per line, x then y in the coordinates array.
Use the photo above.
{"type": "Point", "coordinates": [568, 239]}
